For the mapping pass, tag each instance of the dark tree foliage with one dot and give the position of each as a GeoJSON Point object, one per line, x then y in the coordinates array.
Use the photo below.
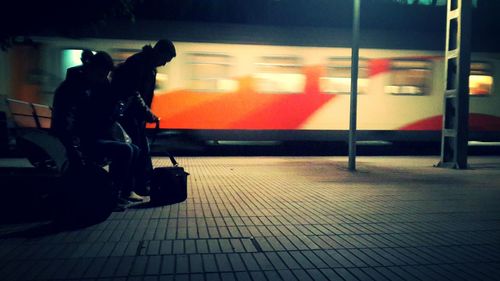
{"type": "Point", "coordinates": [335, 13]}
{"type": "Point", "coordinates": [20, 19]}
{"type": "Point", "coordinates": [405, 15]}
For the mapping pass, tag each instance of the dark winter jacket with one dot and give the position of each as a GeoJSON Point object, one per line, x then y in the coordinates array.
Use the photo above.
{"type": "Point", "coordinates": [134, 82]}
{"type": "Point", "coordinates": [82, 112]}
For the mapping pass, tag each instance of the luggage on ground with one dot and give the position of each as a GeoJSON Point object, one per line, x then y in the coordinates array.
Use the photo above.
{"type": "Point", "coordinates": [169, 184]}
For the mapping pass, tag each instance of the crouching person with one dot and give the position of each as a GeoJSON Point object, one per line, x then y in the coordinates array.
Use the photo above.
{"type": "Point", "coordinates": [83, 119]}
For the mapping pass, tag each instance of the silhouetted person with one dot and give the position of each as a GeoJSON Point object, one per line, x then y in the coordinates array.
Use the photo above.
{"type": "Point", "coordinates": [84, 111]}
{"type": "Point", "coordinates": [134, 82]}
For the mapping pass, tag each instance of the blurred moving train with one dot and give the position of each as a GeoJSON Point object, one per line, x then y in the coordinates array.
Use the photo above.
{"type": "Point", "coordinates": [240, 91]}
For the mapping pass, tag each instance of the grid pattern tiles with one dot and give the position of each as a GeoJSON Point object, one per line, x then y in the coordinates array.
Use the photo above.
{"type": "Point", "coordinates": [288, 218]}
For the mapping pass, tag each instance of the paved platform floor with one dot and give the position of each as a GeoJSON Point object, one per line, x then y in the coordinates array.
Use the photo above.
{"type": "Point", "coordinates": [288, 218]}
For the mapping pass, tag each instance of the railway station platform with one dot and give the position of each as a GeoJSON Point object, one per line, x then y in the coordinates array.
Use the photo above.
{"type": "Point", "coordinates": [285, 218]}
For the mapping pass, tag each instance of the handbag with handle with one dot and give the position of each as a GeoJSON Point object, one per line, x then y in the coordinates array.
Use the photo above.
{"type": "Point", "coordinates": [168, 184]}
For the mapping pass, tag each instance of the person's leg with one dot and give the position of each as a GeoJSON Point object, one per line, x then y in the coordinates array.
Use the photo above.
{"type": "Point", "coordinates": [145, 167]}
{"type": "Point", "coordinates": [143, 172]}
{"type": "Point", "coordinates": [122, 157]}
{"type": "Point", "coordinates": [136, 166]}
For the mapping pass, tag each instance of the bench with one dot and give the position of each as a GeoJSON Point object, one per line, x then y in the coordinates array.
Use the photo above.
{"type": "Point", "coordinates": [29, 115]}
{"type": "Point", "coordinates": [47, 188]}
{"type": "Point", "coordinates": [32, 122]}
{"type": "Point", "coordinates": [28, 183]}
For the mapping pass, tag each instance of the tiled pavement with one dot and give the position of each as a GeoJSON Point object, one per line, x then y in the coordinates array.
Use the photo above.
{"type": "Point", "coordinates": [289, 218]}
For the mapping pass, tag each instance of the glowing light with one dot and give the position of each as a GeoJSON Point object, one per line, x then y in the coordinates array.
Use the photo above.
{"type": "Point", "coordinates": [70, 58]}
{"type": "Point", "coordinates": [480, 85]}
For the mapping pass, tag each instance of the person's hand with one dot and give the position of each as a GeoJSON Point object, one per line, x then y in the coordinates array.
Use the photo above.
{"type": "Point", "coordinates": [153, 118]}
{"type": "Point", "coordinates": [157, 123]}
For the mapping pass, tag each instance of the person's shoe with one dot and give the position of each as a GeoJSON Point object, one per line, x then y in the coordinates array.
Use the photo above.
{"type": "Point", "coordinates": [134, 197]}
{"type": "Point", "coordinates": [123, 201]}
{"type": "Point", "coordinates": [119, 208]}
{"type": "Point", "coordinates": [142, 190]}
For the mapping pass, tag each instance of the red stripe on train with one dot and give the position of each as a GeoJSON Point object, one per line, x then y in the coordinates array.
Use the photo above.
{"type": "Point", "coordinates": [477, 122]}
{"type": "Point", "coordinates": [243, 109]}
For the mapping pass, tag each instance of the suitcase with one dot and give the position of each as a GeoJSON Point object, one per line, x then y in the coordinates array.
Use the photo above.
{"type": "Point", "coordinates": [168, 184]}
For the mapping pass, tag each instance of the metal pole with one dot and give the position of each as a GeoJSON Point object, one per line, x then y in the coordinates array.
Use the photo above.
{"type": "Point", "coordinates": [354, 86]}
{"type": "Point", "coordinates": [455, 132]}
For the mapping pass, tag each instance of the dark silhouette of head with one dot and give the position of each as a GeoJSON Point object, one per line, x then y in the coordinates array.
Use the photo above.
{"type": "Point", "coordinates": [99, 66]}
{"type": "Point", "coordinates": [86, 56]}
{"type": "Point", "coordinates": [165, 51]}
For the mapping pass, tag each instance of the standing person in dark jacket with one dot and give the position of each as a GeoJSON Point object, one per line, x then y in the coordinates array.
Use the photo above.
{"type": "Point", "coordinates": [83, 116]}
{"type": "Point", "coordinates": [134, 82]}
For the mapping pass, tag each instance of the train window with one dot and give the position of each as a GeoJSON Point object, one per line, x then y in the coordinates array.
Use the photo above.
{"type": "Point", "coordinates": [480, 79]}
{"type": "Point", "coordinates": [280, 74]}
{"type": "Point", "coordinates": [409, 77]}
{"type": "Point", "coordinates": [70, 58]}
{"type": "Point", "coordinates": [210, 72]}
{"type": "Point", "coordinates": [338, 76]}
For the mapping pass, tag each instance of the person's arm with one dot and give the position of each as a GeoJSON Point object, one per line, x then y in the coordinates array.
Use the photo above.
{"type": "Point", "coordinates": [128, 80]}
{"type": "Point", "coordinates": [142, 108]}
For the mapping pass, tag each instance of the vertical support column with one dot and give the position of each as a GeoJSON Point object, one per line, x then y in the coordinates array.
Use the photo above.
{"type": "Point", "coordinates": [456, 97]}
{"type": "Point", "coordinates": [354, 86]}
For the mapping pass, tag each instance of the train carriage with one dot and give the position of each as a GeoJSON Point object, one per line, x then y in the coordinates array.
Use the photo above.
{"type": "Point", "coordinates": [235, 90]}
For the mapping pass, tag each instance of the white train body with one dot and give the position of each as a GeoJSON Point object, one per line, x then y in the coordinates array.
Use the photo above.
{"type": "Point", "coordinates": [264, 92]}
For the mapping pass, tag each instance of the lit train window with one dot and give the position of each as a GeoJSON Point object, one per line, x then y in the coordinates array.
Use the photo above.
{"type": "Point", "coordinates": [210, 72]}
{"type": "Point", "coordinates": [70, 58]}
{"type": "Point", "coordinates": [279, 74]}
{"type": "Point", "coordinates": [409, 77]}
{"type": "Point", "coordinates": [480, 79]}
{"type": "Point", "coordinates": [338, 76]}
